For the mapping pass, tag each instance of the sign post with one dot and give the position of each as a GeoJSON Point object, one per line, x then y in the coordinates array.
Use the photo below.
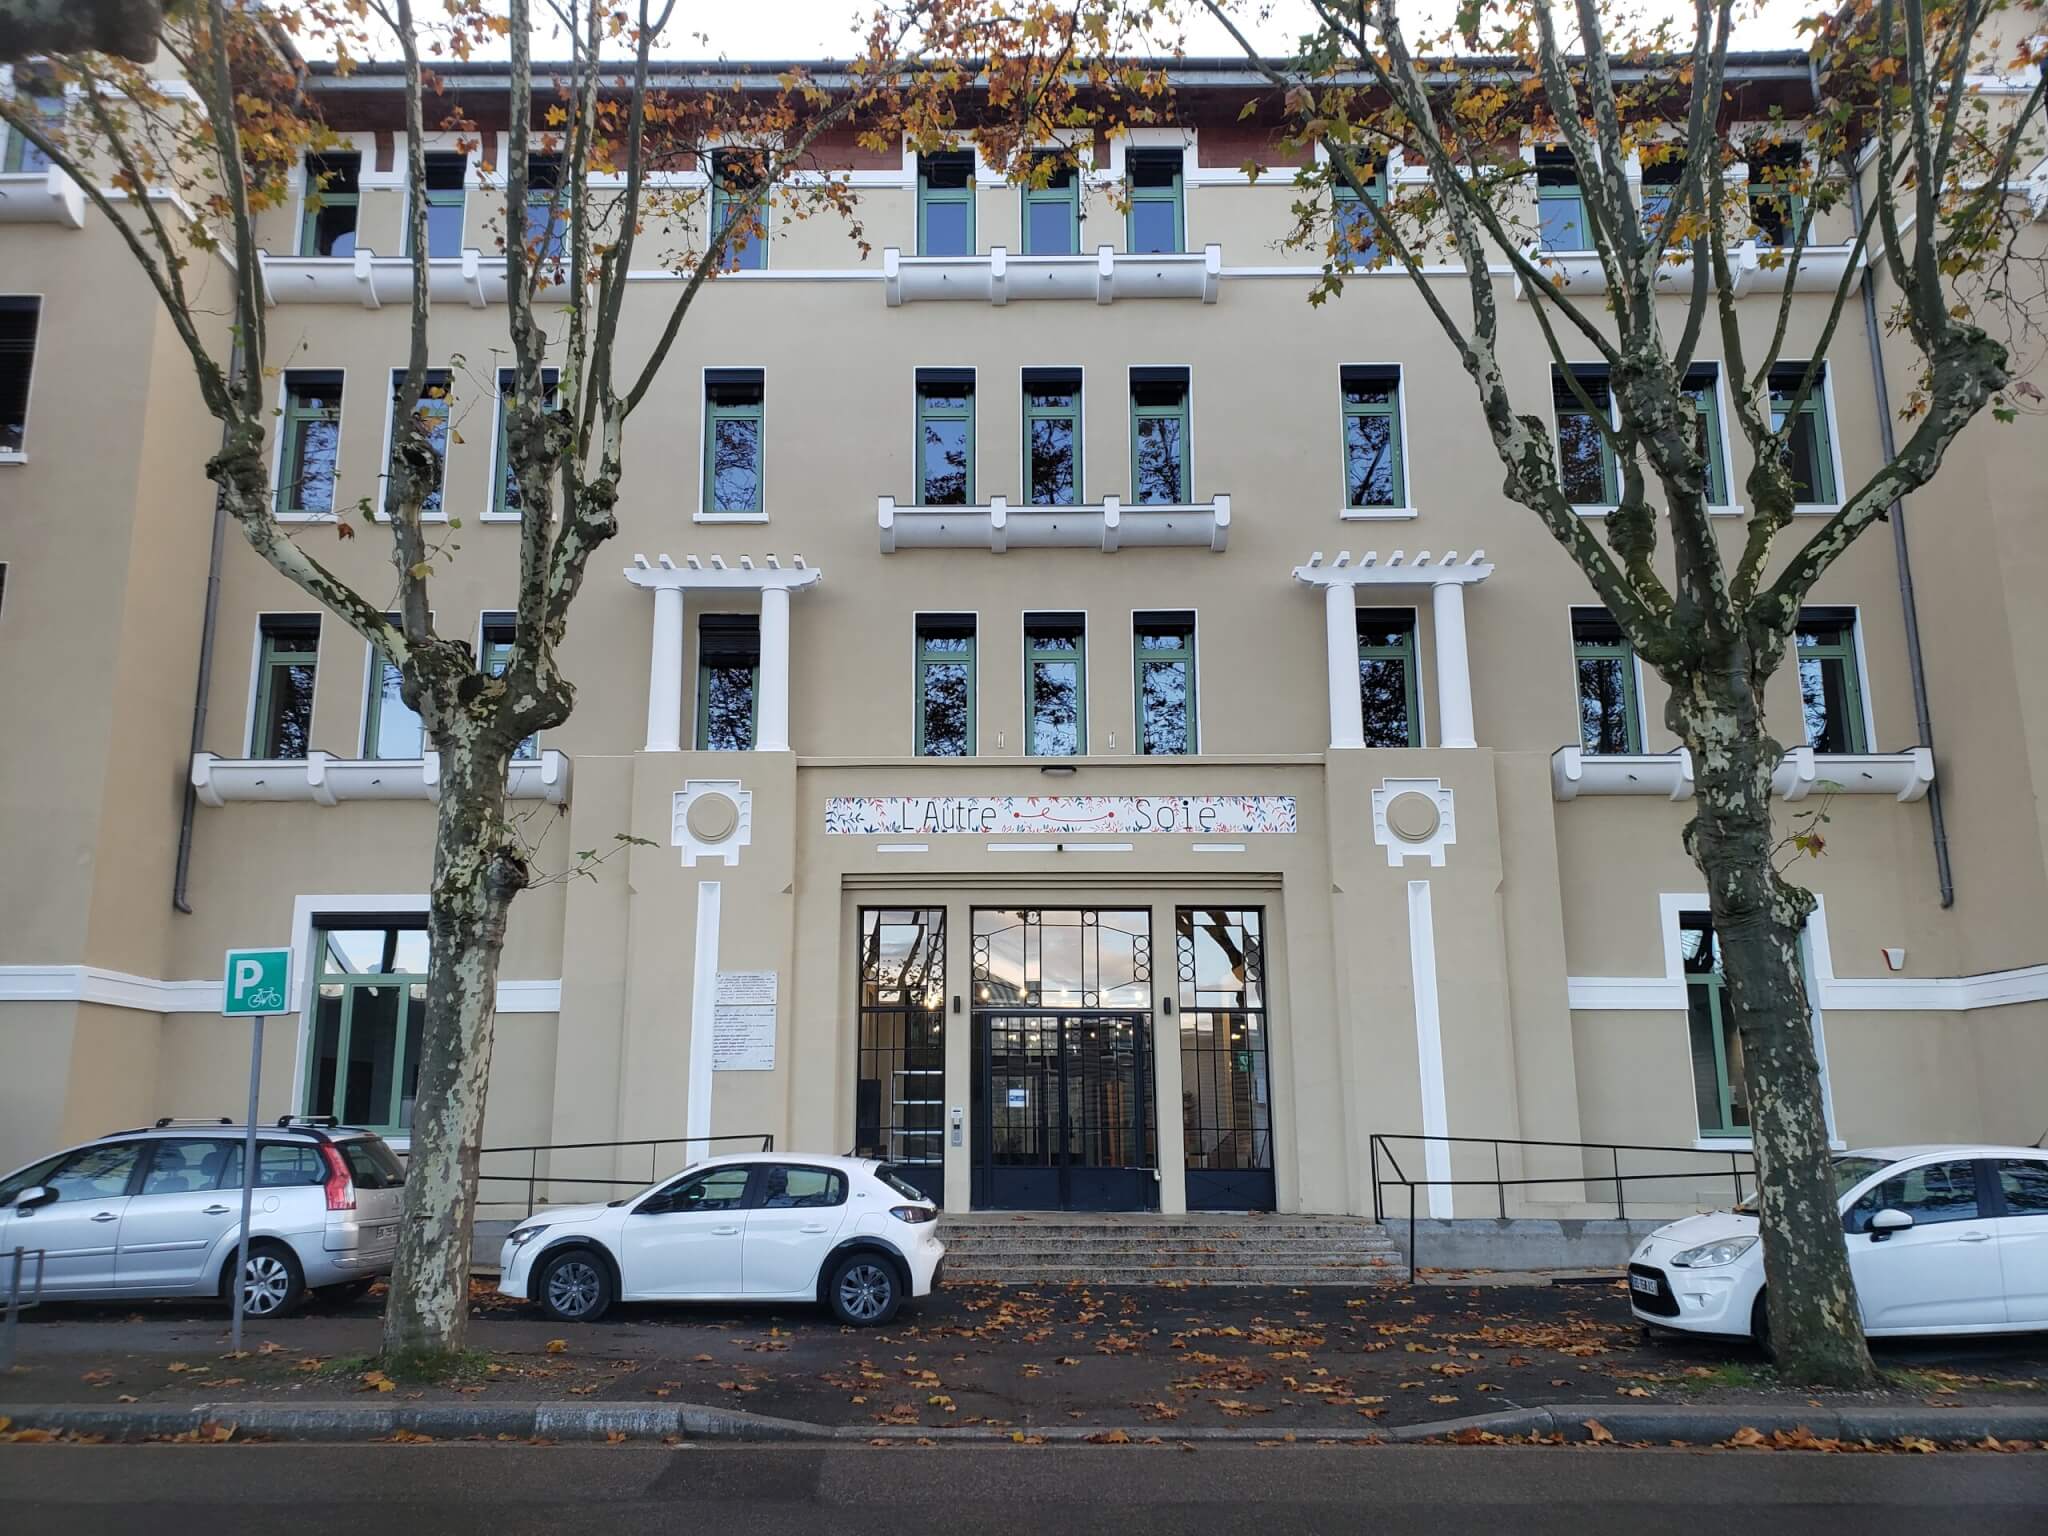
{"type": "Point", "coordinates": [256, 984]}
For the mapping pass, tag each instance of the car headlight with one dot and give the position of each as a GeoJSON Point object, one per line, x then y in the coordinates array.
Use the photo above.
{"type": "Point", "coordinates": [519, 1237]}
{"type": "Point", "coordinates": [1713, 1255]}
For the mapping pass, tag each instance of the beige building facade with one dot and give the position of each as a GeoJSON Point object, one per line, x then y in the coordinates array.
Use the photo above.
{"type": "Point", "coordinates": [1100, 735]}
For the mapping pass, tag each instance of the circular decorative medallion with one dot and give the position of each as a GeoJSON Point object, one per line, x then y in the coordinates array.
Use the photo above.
{"type": "Point", "coordinates": [1412, 817]}
{"type": "Point", "coordinates": [712, 817]}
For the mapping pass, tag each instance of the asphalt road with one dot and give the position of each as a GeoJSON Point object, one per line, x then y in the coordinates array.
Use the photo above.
{"type": "Point", "coordinates": [452, 1490]}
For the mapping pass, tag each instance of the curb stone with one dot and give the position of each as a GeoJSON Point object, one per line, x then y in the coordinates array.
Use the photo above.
{"type": "Point", "coordinates": [312, 1422]}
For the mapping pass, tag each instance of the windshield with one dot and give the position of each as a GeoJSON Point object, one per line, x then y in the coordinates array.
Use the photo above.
{"type": "Point", "coordinates": [372, 1163]}
{"type": "Point", "coordinates": [1849, 1172]}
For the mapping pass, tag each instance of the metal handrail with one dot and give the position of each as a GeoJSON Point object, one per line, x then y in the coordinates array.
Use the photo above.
{"type": "Point", "coordinates": [754, 1141]}
{"type": "Point", "coordinates": [1378, 1145]}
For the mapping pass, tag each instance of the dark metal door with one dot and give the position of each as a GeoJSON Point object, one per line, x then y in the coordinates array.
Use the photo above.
{"type": "Point", "coordinates": [1063, 1112]}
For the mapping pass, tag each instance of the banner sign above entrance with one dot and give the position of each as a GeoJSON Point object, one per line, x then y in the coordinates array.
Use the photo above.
{"type": "Point", "coordinates": [993, 815]}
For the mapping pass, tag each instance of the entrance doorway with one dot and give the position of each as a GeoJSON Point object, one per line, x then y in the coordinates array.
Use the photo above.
{"type": "Point", "coordinates": [1062, 1107]}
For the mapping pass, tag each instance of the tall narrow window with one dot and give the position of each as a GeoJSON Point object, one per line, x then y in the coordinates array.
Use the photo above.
{"type": "Point", "coordinates": [733, 400]}
{"type": "Point", "coordinates": [1356, 236]}
{"type": "Point", "coordinates": [1703, 388]}
{"type": "Point", "coordinates": [499, 632]}
{"type": "Point", "coordinates": [1372, 437]}
{"type": "Point", "coordinates": [1830, 681]}
{"type": "Point", "coordinates": [1610, 706]}
{"type": "Point", "coordinates": [738, 212]}
{"type": "Point", "coordinates": [1052, 435]}
{"type": "Point", "coordinates": [1226, 1094]}
{"type": "Point", "coordinates": [505, 495]}
{"type": "Point", "coordinates": [546, 214]}
{"type": "Point", "coordinates": [332, 192]}
{"type": "Point", "coordinates": [899, 1112]}
{"type": "Point", "coordinates": [1717, 1076]}
{"type": "Point", "coordinates": [1055, 685]}
{"type": "Point", "coordinates": [1159, 436]}
{"type": "Point", "coordinates": [1809, 452]}
{"type": "Point", "coordinates": [445, 175]}
{"type": "Point", "coordinates": [18, 320]}
{"type": "Point", "coordinates": [369, 1009]}
{"type": "Point", "coordinates": [1386, 677]}
{"type": "Point", "coordinates": [312, 439]}
{"type": "Point", "coordinates": [1560, 204]}
{"type": "Point", "coordinates": [432, 413]}
{"type": "Point", "coordinates": [945, 685]}
{"type": "Point", "coordinates": [1777, 192]}
{"type": "Point", "coordinates": [1052, 208]}
{"type": "Point", "coordinates": [1663, 171]}
{"type": "Point", "coordinates": [391, 727]}
{"type": "Point", "coordinates": [1164, 651]}
{"type": "Point", "coordinates": [1585, 452]}
{"type": "Point", "coordinates": [945, 437]}
{"type": "Point", "coordinates": [44, 97]}
{"type": "Point", "coordinates": [945, 204]}
{"type": "Point", "coordinates": [288, 652]}
{"type": "Point", "coordinates": [1157, 220]}
{"type": "Point", "coordinates": [728, 676]}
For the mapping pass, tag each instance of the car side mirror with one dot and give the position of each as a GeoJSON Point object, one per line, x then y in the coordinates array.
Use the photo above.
{"type": "Point", "coordinates": [1888, 1221]}
{"type": "Point", "coordinates": [34, 1197]}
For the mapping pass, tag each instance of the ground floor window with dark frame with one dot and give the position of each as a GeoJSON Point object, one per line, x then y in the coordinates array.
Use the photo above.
{"type": "Point", "coordinates": [1225, 1063]}
{"type": "Point", "coordinates": [369, 1005]}
{"type": "Point", "coordinates": [899, 1097]}
{"type": "Point", "coordinates": [1717, 1076]}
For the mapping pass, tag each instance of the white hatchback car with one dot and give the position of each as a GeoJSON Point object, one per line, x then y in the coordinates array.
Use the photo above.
{"type": "Point", "coordinates": [157, 1211]}
{"type": "Point", "coordinates": [1942, 1239]}
{"type": "Point", "coordinates": [843, 1231]}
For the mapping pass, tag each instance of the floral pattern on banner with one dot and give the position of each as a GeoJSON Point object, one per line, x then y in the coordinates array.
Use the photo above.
{"type": "Point", "coordinates": [995, 815]}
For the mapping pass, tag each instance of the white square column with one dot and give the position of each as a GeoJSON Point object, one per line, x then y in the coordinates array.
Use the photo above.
{"type": "Point", "coordinates": [771, 704]}
{"type": "Point", "coordinates": [1453, 667]}
{"type": "Point", "coordinates": [1347, 705]}
{"type": "Point", "coordinates": [665, 673]}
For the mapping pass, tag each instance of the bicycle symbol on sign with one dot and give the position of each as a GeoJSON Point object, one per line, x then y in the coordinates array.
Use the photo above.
{"type": "Point", "coordinates": [264, 999]}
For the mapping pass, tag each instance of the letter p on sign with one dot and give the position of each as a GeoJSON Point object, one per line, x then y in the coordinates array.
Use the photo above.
{"type": "Point", "coordinates": [258, 982]}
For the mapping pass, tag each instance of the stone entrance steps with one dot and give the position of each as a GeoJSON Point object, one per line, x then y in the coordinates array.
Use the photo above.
{"type": "Point", "coordinates": [1140, 1249]}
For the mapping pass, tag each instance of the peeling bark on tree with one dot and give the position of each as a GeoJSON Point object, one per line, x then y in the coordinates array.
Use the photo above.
{"type": "Point", "coordinates": [125, 28]}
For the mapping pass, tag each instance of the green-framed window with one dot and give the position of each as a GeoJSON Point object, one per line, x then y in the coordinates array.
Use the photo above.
{"type": "Point", "coordinates": [1831, 681]}
{"type": "Point", "coordinates": [945, 437]}
{"type": "Point", "coordinates": [1610, 700]}
{"type": "Point", "coordinates": [1560, 202]}
{"type": "Point", "coordinates": [1809, 441]}
{"type": "Point", "coordinates": [328, 225]}
{"type": "Point", "coordinates": [1372, 437]}
{"type": "Point", "coordinates": [499, 630]}
{"type": "Point", "coordinates": [1052, 436]}
{"type": "Point", "coordinates": [45, 98]}
{"type": "Point", "coordinates": [1586, 465]}
{"type": "Point", "coordinates": [1157, 220]}
{"type": "Point", "coordinates": [1052, 212]}
{"type": "Point", "coordinates": [311, 432]}
{"type": "Point", "coordinates": [546, 215]}
{"type": "Point", "coordinates": [733, 442]}
{"type": "Point", "coordinates": [1719, 1091]}
{"type": "Point", "coordinates": [288, 654]}
{"type": "Point", "coordinates": [391, 727]}
{"type": "Point", "coordinates": [1055, 685]}
{"type": "Point", "coordinates": [1391, 707]}
{"type": "Point", "coordinates": [735, 184]}
{"type": "Point", "coordinates": [1163, 651]}
{"type": "Point", "coordinates": [445, 194]}
{"type": "Point", "coordinates": [436, 399]}
{"type": "Point", "coordinates": [728, 681]}
{"type": "Point", "coordinates": [1777, 195]}
{"type": "Point", "coordinates": [505, 501]}
{"type": "Point", "coordinates": [1355, 238]}
{"type": "Point", "coordinates": [20, 316]}
{"type": "Point", "coordinates": [1663, 170]}
{"type": "Point", "coordinates": [1703, 388]}
{"type": "Point", "coordinates": [1159, 437]}
{"type": "Point", "coordinates": [369, 1008]}
{"type": "Point", "coordinates": [945, 203]}
{"type": "Point", "coordinates": [945, 685]}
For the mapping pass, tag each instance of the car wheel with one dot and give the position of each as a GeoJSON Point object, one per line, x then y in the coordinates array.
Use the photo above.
{"type": "Point", "coordinates": [273, 1282]}
{"type": "Point", "coordinates": [864, 1290]}
{"type": "Point", "coordinates": [1760, 1325]}
{"type": "Point", "coordinates": [574, 1287]}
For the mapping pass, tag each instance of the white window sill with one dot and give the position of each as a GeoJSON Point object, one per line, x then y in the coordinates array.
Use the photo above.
{"type": "Point", "coordinates": [499, 517]}
{"type": "Point", "coordinates": [729, 517]}
{"type": "Point", "coordinates": [307, 517]}
{"type": "Point", "coordinates": [13, 458]}
{"type": "Point", "coordinates": [1816, 508]}
{"type": "Point", "coordinates": [1744, 1144]}
{"type": "Point", "coordinates": [1377, 514]}
{"type": "Point", "coordinates": [1733, 510]}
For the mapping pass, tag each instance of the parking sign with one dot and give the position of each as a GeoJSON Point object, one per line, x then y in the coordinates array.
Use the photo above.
{"type": "Point", "coordinates": [258, 982]}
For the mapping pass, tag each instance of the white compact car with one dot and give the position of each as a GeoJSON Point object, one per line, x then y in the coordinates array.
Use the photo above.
{"type": "Point", "coordinates": [157, 1211]}
{"type": "Point", "coordinates": [1941, 1240]}
{"type": "Point", "coordinates": [842, 1231]}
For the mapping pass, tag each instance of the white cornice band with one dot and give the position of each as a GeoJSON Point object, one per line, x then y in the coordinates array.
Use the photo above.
{"type": "Point", "coordinates": [147, 994]}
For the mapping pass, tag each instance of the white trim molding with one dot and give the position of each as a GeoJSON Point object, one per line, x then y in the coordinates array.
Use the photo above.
{"type": "Point", "coordinates": [1905, 776]}
{"type": "Point", "coordinates": [1108, 525]}
{"type": "Point", "coordinates": [374, 281]}
{"type": "Point", "coordinates": [1429, 1050]}
{"type": "Point", "coordinates": [148, 994]}
{"type": "Point", "coordinates": [41, 197]}
{"type": "Point", "coordinates": [1754, 269]}
{"type": "Point", "coordinates": [328, 780]}
{"type": "Point", "coordinates": [1001, 275]}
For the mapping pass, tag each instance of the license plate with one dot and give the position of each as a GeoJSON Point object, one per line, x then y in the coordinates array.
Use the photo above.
{"type": "Point", "coordinates": [1643, 1283]}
